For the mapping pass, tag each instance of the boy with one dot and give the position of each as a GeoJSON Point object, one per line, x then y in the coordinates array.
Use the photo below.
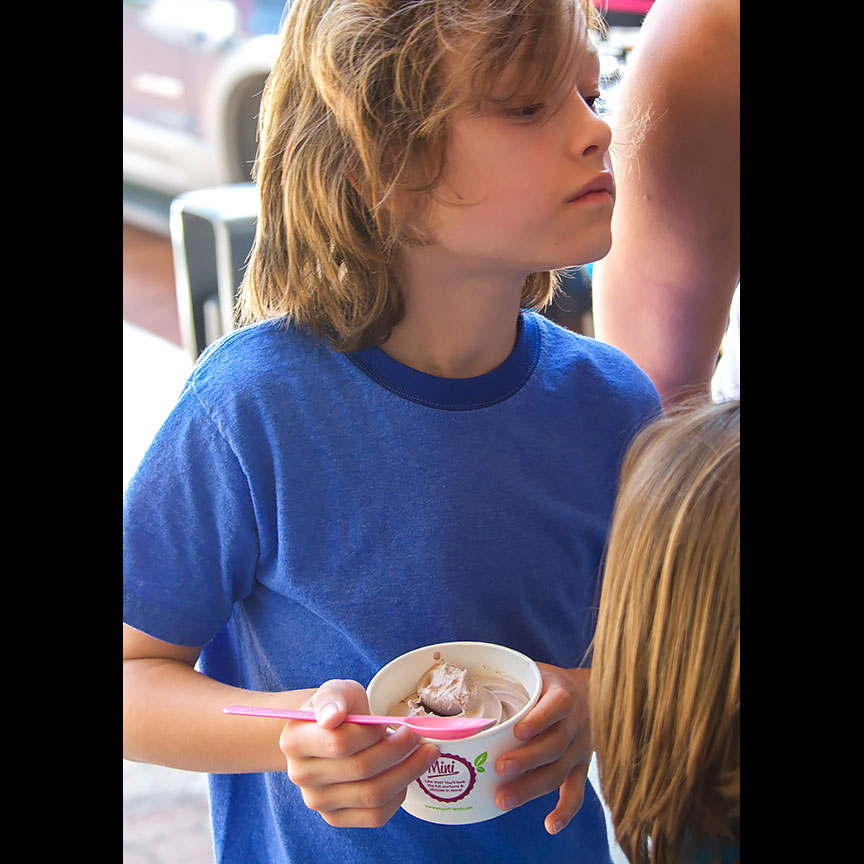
{"type": "Point", "coordinates": [396, 453]}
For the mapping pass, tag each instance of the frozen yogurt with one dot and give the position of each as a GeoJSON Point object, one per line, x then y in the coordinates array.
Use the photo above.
{"type": "Point", "coordinates": [450, 691]}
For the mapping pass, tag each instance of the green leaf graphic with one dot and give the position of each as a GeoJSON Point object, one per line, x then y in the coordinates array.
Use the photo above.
{"type": "Point", "coordinates": [479, 761]}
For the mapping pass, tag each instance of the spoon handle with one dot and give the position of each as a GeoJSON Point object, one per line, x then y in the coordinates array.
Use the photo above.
{"type": "Point", "coordinates": [298, 714]}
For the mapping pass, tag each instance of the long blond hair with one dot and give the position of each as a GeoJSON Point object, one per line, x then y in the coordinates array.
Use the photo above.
{"type": "Point", "coordinates": [664, 688]}
{"type": "Point", "coordinates": [356, 111]}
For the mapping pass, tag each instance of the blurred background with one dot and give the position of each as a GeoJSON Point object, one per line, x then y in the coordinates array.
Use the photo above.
{"type": "Point", "coordinates": [193, 72]}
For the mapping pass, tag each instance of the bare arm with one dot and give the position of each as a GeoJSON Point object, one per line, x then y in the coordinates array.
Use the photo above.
{"type": "Point", "coordinates": [662, 294]}
{"type": "Point", "coordinates": [354, 776]}
{"type": "Point", "coordinates": [172, 715]}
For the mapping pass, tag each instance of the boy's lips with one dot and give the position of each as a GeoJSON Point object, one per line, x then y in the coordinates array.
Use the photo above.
{"type": "Point", "coordinates": [603, 182]}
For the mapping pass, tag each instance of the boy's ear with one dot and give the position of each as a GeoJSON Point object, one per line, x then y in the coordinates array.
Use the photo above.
{"type": "Point", "coordinates": [398, 201]}
{"type": "Point", "coordinates": [351, 177]}
{"type": "Point", "coordinates": [352, 173]}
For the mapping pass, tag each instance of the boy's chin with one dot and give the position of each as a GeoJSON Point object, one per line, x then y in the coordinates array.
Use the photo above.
{"type": "Point", "coordinates": [588, 255]}
{"type": "Point", "coordinates": [601, 247]}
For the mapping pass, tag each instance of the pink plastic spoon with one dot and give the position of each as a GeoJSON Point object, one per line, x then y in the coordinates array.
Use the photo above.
{"type": "Point", "coordinates": [441, 728]}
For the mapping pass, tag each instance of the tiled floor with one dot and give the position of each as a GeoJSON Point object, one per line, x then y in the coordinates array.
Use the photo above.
{"type": "Point", "coordinates": [149, 298]}
{"type": "Point", "coordinates": [166, 817]}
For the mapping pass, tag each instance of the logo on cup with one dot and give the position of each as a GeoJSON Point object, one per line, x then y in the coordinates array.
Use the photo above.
{"type": "Point", "coordinates": [450, 778]}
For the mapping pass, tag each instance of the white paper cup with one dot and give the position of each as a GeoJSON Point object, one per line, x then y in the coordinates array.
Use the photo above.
{"type": "Point", "coordinates": [460, 787]}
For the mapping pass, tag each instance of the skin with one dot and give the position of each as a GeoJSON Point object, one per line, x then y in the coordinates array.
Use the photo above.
{"type": "Point", "coordinates": [518, 166]}
{"type": "Point", "coordinates": [662, 295]}
{"type": "Point", "coordinates": [172, 715]}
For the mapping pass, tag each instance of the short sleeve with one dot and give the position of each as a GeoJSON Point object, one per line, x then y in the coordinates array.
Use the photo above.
{"type": "Point", "coordinates": [190, 542]}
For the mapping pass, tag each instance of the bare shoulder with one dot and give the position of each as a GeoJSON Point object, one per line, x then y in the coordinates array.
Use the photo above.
{"type": "Point", "coordinates": [697, 40]}
{"type": "Point", "coordinates": [683, 90]}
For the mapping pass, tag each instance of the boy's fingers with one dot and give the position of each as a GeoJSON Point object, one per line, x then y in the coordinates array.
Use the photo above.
{"type": "Point", "coordinates": [336, 698]}
{"type": "Point", "coordinates": [570, 799]}
{"type": "Point", "coordinates": [546, 748]}
{"type": "Point", "coordinates": [532, 785]}
{"type": "Point", "coordinates": [302, 740]}
{"type": "Point", "coordinates": [353, 817]}
{"type": "Point", "coordinates": [329, 737]}
{"type": "Point", "coordinates": [554, 705]}
{"type": "Point", "coordinates": [567, 773]}
{"type": "Point", "coordinates": [363, 784]}
{"type": "Point", "coordinates": [347, 763]}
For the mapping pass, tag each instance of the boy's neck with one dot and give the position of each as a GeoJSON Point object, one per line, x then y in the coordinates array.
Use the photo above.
{"type": "Point", "coordinates": [457, 323]}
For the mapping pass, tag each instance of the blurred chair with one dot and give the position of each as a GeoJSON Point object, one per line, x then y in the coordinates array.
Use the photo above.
{"type": "Point", "coordinates": [211, 235]}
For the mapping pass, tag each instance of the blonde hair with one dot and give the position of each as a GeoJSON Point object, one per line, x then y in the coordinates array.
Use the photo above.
{"type": "Point", "coordinates": [354, 114]}
{"type": "Point", "coordinates": [664, 687]}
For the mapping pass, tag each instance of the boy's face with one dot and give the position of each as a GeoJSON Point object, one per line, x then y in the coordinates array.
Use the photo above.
{"type": "Point", "coordinates": [520, 167]}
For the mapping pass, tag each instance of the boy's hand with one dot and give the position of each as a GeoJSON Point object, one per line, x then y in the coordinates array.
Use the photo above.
{"type": "Point", "coordinates": [557, 748]}
{"type": "Point", "coordinates": [354, 775]}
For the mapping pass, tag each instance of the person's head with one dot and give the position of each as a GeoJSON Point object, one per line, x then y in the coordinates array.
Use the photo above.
{"type": "Point", "coordinates": [355, 132]}
{"type": "Point", "coordinates": [664, 688]}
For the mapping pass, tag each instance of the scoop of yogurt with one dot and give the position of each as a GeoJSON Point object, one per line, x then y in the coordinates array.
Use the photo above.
{"type": "Point", "coordinates": [450, 691]}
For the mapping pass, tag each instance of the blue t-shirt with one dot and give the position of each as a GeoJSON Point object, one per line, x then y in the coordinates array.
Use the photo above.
{"type": "Point", "coordinates": [306, 515]}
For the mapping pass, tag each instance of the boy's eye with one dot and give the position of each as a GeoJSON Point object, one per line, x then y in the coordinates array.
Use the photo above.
{"type": "Point", "coordinates": [526, 112]}
{"type": "Point", "coordinates": [596, 104]}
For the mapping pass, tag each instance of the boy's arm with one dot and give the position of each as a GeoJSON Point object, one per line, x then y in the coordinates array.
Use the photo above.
{"type": "Point", "coordinates": [353, 775]}
{"type": "Point", "coordinates": [172, 715]}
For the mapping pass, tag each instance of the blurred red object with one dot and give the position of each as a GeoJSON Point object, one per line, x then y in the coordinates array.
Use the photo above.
{"type": "Point", "coordinates": [628, 7]}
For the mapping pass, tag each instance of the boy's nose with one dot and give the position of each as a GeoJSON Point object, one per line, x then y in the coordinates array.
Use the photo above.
{"type": "Point", "coordinates": [590, 132]}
